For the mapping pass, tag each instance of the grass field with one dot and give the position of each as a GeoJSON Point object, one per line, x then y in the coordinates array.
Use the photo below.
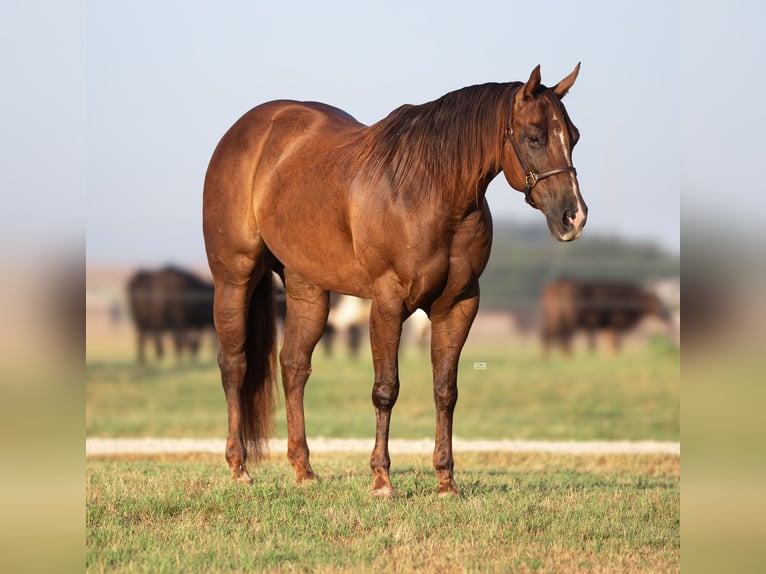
{"type": "Point", "coordinates": [633, 396]}
{"type": "Point", "coordinates": [518, 512]}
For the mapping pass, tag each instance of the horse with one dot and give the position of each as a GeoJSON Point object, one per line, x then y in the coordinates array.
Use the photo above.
{"type": "Point", "coordinates": [616, 307]}
{"type": "Point", "coordinates": [394, 212]}
{"type": "Point", "coordinates": [170, 300]}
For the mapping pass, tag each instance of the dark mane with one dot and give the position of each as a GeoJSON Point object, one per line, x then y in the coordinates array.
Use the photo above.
{"type": "Point", "coordinates": [439, 149]}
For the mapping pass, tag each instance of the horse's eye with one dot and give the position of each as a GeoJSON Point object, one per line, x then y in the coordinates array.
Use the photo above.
{"type": "Point", "coordinates": [534, 137]}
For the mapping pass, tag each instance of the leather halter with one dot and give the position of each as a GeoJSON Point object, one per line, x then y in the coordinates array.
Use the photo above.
{"type": "Point", "coordinates": [530, 177]}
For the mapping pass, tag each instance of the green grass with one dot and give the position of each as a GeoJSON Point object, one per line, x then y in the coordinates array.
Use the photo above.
{"type": "Point", "coordinates": [518, 512]}
{"type": "Point", "coordinates": [521, 513]}
{"type": "Point", "coordinates": [635, 395]}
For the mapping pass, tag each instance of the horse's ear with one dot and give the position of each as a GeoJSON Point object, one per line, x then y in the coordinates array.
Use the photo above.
{"type": "Point", "coordinates": [563, 86]}
{"type": "Point", "coordinates": [532, 83]}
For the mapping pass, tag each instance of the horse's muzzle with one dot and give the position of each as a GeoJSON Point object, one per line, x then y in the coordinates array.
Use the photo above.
{"type": "Point", "coordinates": [567, 224]}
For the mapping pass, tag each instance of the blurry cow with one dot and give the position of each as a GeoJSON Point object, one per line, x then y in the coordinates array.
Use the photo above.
{"type": "Point", "coordinates": [349, 314]}
{"type": "Point", "coordinates": [170, 300]}
{"type": "Point", "coordinates": [352, 315]}
{"type": "Point", "coordinates": [417, 329]}
{"type": "Point", "coordinates": [613, 306]}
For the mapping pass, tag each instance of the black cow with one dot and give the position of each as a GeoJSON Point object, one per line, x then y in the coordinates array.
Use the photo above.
{"type": "Point", "coordinates": [170, 300]}
{"type": "Point", "coordinates": [614, 306]}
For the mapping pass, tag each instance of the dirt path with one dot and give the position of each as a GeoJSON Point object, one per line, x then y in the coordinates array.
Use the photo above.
{"type": "Point", "coordinates": [100, 446]}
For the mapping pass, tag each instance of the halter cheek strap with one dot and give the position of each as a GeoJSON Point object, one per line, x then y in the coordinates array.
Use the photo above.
{"type": "Point", "coordinates": [531, 177]}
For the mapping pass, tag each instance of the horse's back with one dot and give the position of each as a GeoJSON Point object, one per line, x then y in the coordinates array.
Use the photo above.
{"type": "Point", "coordinates": [282, 121]}
{"type": "Point", "coordinates": [272, 132]}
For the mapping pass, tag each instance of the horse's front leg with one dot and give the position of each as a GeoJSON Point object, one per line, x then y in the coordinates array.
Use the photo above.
{"type": "Point", "coordinates": [449, 330]}
{"type": "Point", "coordinates": [386, 317]}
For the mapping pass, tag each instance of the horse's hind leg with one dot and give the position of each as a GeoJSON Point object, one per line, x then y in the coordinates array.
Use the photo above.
{"type": "Point", "coordinates": [307, 309]}
{"type": "Point", "coordinates": [230, 310]}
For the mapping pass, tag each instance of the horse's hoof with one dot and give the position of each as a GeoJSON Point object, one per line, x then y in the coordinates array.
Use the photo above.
{"type": "Point", "coordinates": [241, 476]}
{"type": "Point", "coordinates": [383, 492]}
{"type": "Point", "coordinates": [448, 490]}
{"type": "Point", "coordinates": [306, 479]}
{"type": "Point", "coordinates": [450, 494]}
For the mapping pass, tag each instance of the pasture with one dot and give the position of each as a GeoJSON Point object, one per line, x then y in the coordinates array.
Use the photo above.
{"type": "Point", "coordinates": [518, 512]}
{"type": "Point", "coordinates": [506, 391]}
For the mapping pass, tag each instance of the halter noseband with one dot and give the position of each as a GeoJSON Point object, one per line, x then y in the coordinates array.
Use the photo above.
{"type": "Point", "coordinates": [530, 177]}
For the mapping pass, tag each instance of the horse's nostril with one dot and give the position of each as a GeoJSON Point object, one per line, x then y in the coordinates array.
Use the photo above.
{"type": "Point", "coordinates": [566, 218]}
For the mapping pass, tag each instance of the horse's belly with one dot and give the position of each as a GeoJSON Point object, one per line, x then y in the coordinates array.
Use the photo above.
{"type": "Point", "coordinates": [318, 250]}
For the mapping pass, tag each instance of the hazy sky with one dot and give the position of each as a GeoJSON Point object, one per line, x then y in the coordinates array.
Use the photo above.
{"type": "Point", "coordinates": [166, 79]}
{"type": "Point", "coordinates": [128, 99]}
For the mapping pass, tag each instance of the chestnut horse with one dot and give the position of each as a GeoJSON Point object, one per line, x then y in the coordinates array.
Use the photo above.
{"type": "Point", "coordinates": [394, 212]}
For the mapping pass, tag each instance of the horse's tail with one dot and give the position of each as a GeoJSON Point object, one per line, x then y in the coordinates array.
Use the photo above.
{"type": "Point", "coordinates": [259, 390]}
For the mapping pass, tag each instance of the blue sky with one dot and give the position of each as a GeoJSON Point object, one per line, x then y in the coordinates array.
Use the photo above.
{"type": "Point", "coordinates": [158, 83]}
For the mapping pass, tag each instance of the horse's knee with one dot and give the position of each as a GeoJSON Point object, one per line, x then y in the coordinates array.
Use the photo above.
{"type": "Point", "coordinates": [385, 392]}
{"type": "Point", "coordinates": [445, 387]}
{"type": "Point", "coordinates": [445, 396]}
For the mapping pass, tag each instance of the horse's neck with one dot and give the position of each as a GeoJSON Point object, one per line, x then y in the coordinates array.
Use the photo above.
{"type": "Point", "coordinates": [472, 185]}
{"type": "Point", "coordinates": [469, 197]}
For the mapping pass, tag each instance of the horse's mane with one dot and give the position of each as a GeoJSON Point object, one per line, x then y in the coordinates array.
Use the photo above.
{"type": "Point", "coordinates": [440, 149]}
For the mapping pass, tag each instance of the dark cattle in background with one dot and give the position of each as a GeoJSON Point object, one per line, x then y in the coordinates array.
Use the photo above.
{"type": "Point", "coordinates": [569, 306]}
{"type": "Point", "coordinates": [170, 301]}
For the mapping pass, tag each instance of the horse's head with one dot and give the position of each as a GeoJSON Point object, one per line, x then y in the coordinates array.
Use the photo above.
{"type": "Point", "coordinates": [537, 154]}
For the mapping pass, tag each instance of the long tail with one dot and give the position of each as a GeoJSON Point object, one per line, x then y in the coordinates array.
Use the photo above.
{"type": "Point", "coordinates": [258, 394]}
